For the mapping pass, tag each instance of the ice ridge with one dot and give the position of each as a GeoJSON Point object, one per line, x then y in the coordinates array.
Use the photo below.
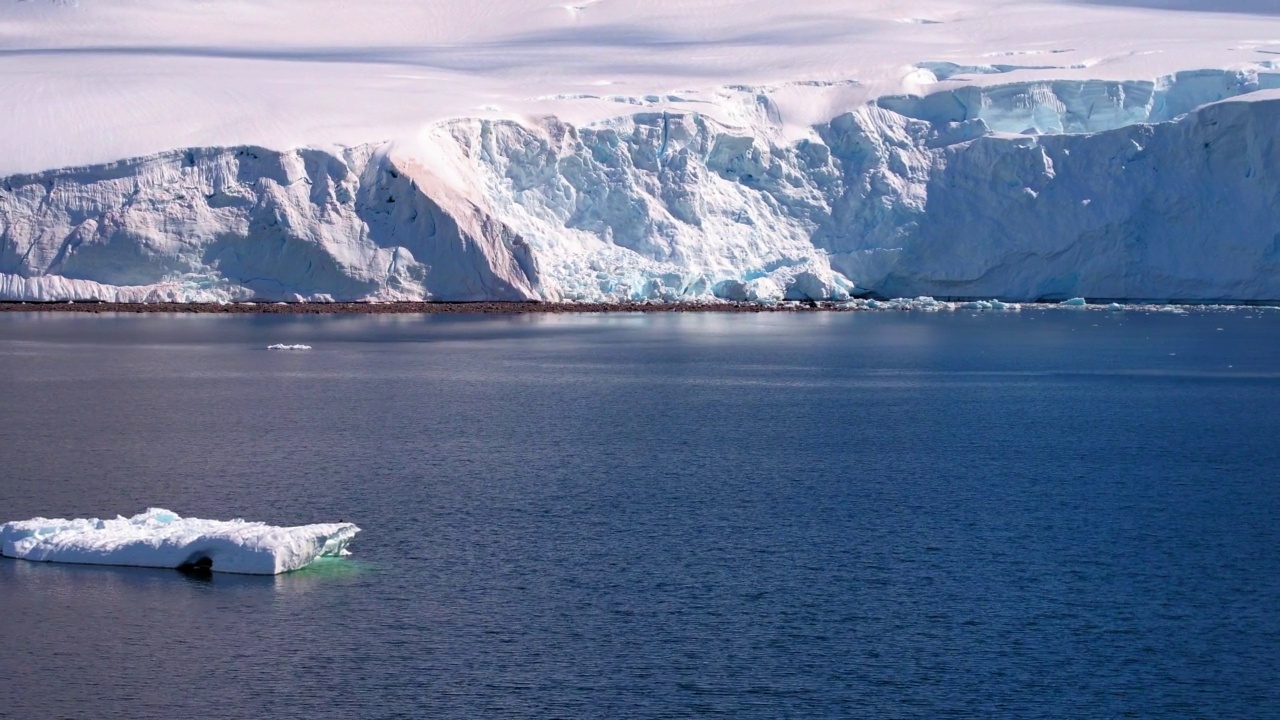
{"type": "Point", "coordinates": [1074, 106]}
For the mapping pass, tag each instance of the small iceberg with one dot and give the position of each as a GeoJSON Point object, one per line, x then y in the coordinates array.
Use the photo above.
{"type": "Point", "coordinates": [161, 539]}
{"type": "Point", "coordinates": [282, 346]}
{"type": "Point", "coordinates": [990, 305]}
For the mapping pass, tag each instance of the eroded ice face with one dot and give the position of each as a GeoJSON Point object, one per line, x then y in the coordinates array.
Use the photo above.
{"type": "Point", "coordinates": [161, 538]}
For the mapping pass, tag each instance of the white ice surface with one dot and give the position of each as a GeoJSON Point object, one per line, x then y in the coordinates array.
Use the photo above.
{"type": "Point", "coordinates": [160, 538]}
{"type": "Point", "coordinates": [283, 346]}
{"type": "Point", "coordinates": [611, 150]}
{"type": "Point", "coordinates": [92, 81]}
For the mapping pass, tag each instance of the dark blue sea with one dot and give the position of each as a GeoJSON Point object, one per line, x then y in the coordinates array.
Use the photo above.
{"type": "Point", "coordinates": [1045, 514]}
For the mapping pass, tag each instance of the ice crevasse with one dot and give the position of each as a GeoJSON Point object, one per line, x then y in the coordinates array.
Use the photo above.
{"type": "Point", "coordinates": [1158, 199]}
{"type": "Point", "coordinates": [162, 539]}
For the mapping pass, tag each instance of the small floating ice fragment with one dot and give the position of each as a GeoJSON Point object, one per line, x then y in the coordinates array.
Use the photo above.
{"type": "Point", "coordinates": [1074, 302]}
{"type": "Point", "coordinates": [160, 538]}
{"type": "Point", "coordinates": [282, 346]}
{"type": "Point", "coordinates": [990, 305]}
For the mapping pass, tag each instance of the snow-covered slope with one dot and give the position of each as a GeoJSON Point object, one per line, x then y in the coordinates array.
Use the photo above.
{"type": "Point", "coordinates": [618, 150]}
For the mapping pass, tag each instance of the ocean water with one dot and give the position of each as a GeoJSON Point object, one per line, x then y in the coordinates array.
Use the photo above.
{"type": "Point", "coordinates": [1046, 514]}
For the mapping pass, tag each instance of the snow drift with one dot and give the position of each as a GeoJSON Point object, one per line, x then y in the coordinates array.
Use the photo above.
{"type": "Point", "coordinates": [159, 538]}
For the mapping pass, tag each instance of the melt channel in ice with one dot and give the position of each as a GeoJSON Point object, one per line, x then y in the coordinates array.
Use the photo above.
{"type": "Point", "coordinates": [160, 538]}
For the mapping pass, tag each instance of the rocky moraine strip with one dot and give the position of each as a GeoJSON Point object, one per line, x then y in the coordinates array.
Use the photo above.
{"type": "Point", "coordinates": [425, 308]}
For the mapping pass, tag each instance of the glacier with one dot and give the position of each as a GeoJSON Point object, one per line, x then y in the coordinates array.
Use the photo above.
{"type": "Point", "coordinates": [159, 538]}
{"type": "Point", "coordinates": [957, 150]}
{"type": "Point", "coordinates": [669, 206]}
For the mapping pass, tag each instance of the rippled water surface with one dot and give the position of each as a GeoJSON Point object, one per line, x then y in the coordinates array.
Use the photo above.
{"type": "Point", "coordinates": [1044, 514]}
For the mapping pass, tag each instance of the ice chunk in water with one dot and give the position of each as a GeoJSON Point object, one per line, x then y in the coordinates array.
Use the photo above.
{"type": "Point", "coordinates": [161, 538]}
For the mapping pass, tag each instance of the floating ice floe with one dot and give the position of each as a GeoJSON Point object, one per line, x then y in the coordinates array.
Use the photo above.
{"type": "Point", "coordinates": [282, 346]}
{"type": "Point", "coordinates": [990, 305]}
{"type": "Point", "coordinates": [160, 538]}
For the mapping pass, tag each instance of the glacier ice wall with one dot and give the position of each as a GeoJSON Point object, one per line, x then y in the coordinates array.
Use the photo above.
{"type": "Point", "coordinates": [896, 199]}
{"type": "Point", "coordinates": [238, 223]}
{"type": "Point", "coordinates": [1074, 106]}
{"type": "Point", "coordinates": [1181, 210]}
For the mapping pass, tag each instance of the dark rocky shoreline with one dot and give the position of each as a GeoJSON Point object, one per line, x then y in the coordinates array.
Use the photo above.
{"type": "Point", "coordinates": [559, 308]}
{"type": "Point", "coordinates": [422, 308]}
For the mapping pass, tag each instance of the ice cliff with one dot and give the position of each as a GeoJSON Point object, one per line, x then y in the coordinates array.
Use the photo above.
{"type": "Point", "coordinates": [1107, 190]}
